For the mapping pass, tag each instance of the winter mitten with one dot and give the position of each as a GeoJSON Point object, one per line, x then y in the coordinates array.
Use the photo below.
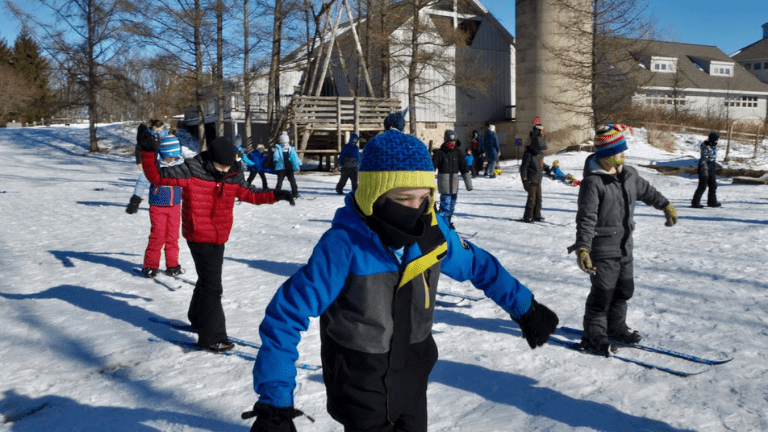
{"type": "Point", "coordinates": [133, 205]}
{"type": "Point", "coordinates": [671, 214]}
{"type": "Point", "coordinates": [537, 324]}
{"type": "Point", "coordinates": [284, 195]}
{"type": "Point", "coordinates": [585, 261]}
{"type": "Point", "coordinates": [467, 181]}
{"type": "Point", "coordinates": [272, 419]}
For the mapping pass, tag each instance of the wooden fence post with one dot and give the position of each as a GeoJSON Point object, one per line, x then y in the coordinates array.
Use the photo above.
{"type": "Point", "coordinates": [728, 146]}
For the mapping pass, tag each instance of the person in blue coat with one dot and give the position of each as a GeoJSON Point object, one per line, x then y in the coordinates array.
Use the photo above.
{"type": "Point", "coordinates": [372, 279]}
{"type": "Point", "coordinates": [492, 150]}
{"type": "Point", "coordinates": [349, 161]}
{"type": "Point", "coordinates": [255, 162]}
{"type": "Point", "coordinates": [287, 162]}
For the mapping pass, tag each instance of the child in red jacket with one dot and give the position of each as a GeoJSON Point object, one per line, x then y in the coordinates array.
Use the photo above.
{"type": "Point", "coordinates": [210, 183]}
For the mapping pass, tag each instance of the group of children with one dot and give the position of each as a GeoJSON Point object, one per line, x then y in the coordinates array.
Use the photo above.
{"type": "Point", "coordinates": [373, 276]}
{"type": "Point", "coordinates": [201, 192]}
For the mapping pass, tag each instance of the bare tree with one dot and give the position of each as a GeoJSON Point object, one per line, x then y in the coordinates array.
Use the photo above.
{"type": "Point", "coordinates": [429, 55]}
{"type": "Point", "coordinates": [589, 54]}
{"type": "Point", "coordinates": [185, 44]}
{"type": "Point", "coordinates": [93, 24]}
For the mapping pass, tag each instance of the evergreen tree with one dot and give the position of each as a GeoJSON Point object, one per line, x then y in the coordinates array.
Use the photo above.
{"type": "Point", "coordinates": [5, 53]}
{"type": "Point", "coordinates": [27, 61]}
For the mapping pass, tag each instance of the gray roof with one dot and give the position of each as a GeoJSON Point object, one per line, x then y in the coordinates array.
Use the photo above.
{"type": "Point", "coordinates": [690, 75]}
{"type": "Point", "coordinates": [758, 50]}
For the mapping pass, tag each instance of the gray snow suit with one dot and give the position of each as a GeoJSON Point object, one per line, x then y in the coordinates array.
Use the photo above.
{"type": "Point", "coordinates": [604, 225]}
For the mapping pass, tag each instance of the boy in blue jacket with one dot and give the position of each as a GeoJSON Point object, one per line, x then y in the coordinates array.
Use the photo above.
{"type": "Point", "coordinates": [372, 279]}
{"type": "Point", "coordinates": [349, 161]}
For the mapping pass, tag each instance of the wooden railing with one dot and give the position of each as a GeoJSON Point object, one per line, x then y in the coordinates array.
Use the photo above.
{"type": "Point", "coordinates": [323, 113]}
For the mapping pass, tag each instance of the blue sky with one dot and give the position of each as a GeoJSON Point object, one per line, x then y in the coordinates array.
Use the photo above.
{"type": "Point", "coordinates": [728, 25]}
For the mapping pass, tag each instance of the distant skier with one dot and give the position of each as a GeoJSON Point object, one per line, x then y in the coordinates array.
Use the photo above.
{"type": "Point", "coordinates": [287, 163]}
{"type": "Point", "coordinates": [707, 173]}
{"type": "Point", "coordinates": [492, 149]}
{"type": "Point", "coordinates": [531, 173]}
{"type": "Point", "coordinates": [450, 163]}
{"type": "Point", "coordinates": [349, 161]}
{"type": "Point", "coordinates": [604, 225]}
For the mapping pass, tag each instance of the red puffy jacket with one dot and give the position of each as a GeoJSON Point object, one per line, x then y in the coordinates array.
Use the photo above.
{"type": "Point", "coordinates": [208, 197]}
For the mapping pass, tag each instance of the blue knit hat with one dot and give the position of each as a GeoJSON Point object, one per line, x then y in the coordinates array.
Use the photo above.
{"type": "Point", "coordinates": [390, 160]}
{"type": "Point", "coordinates": [395, 120]}
{"type": "Point", "coordinates": [170, 147]}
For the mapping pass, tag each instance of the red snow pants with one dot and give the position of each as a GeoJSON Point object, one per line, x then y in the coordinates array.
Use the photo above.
{"type": "Point", "coordinates": [164, 233]}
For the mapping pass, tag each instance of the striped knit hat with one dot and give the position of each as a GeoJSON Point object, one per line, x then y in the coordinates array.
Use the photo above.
{"type": "Point", "coordinates": [610, 140]}
{"type": "Point", "coordinates": [390, 160]}
{"type": "Point", "coordinates": [170, 147]}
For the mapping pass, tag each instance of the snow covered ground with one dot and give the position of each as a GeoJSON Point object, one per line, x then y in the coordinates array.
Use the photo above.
{"type": "Point", "coordinates": [74, 317]}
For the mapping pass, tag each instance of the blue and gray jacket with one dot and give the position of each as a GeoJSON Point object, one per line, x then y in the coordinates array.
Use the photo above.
{"type": "Point", "coordinates": [163, 196]}
{"type": "Point", "coordinates": [374, 303]}
{"type": "Point", "coordinates": [708, 159]}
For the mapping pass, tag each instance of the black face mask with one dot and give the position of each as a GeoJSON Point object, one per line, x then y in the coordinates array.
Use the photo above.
{"type": "Point", "coordinates": [398, 225]}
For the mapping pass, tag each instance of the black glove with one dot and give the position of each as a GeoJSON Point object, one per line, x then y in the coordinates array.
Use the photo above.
{"type": "Point", "coordinates": [537, 324]}
{"type": "Point", "coordinates": [272, 419]}
{"type": "Point", "coordinates": [525, 185]}
{"type": "Point", "coordinates": [133, 206]}
{"type": "Point", "coordinates": [284, 195]}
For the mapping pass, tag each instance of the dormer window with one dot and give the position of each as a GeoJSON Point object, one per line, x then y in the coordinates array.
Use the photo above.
{"type": "Point", "coordinates": [663, 64]}
{"type": "Point", "coordinates": [724, 69]}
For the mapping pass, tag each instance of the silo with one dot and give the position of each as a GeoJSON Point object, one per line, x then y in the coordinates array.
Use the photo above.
{"type": "Point", "coordinates": [553, 51]}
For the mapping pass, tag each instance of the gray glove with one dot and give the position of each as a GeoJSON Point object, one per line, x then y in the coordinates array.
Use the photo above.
{"type": "Point", "coordinates": [467, 181]}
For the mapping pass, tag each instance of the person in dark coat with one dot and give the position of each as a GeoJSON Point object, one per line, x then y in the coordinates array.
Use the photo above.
{"type": "Point", "coordinates": [707, 173]}
{"type": "Point", "coordinates": [492, 150]}
{"type": "Point", "coordinates": [210, 183]}
{"type": "Point", "coordinates": [372, 279]}
{"type": "Point", "coordinates": [604, 225]}
{"type": "Point", "coordinates": [154, 130]}
{"type": "Point", "coordinates": [449, 162]}
{"type": "Point", "coordinates": [349, 161]}
{"type": "Point", "coordinates": [478, 153]}
{"type": "Point", "coordinates": [531, 173]}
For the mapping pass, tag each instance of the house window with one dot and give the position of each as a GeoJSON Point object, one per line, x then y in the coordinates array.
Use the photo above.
{"type": "Point", "coordinates": [757, 66]}
{"type": "Point", "coordinates": [765, 65]}
{"type": "Point", "coordinates": [430, 125]}
{"type": "Point", "coordinates": [748, 66]}
{"type": "Point", "coordinates": [665, 99]}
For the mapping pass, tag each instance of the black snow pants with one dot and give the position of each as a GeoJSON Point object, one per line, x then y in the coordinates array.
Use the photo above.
{"type": "Point", "coordinates": [206, 314]}
{"type": "Point", "coordinates": [707, 178]}
{"type": "Point", "coordinates": [606, 309]}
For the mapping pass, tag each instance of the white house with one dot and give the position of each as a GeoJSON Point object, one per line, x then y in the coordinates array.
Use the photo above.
{"type": "Point", "coordinates": [700, 79]}
{"type": "Point", "coordinates": [754, 57]}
